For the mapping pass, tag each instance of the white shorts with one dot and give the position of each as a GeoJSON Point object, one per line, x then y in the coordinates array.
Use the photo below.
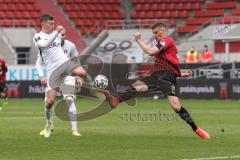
{"type": "Point", "coordinates": [56, 77]}
{"type": "Point", "coordinates": [69, 87]}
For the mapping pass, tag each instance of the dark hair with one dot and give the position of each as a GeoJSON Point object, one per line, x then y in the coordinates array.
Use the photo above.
{"type": "Point", "coordinates": [46, 17]}
{"type": "Point", "coordinates": [159, 25]}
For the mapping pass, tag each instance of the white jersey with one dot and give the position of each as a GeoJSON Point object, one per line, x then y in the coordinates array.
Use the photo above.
{"type": "Point", "coordinates": [50, 50]}
{"type": "Point", "coordinates": [69, 49]}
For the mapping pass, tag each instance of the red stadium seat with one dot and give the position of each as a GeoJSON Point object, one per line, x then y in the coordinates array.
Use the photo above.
{"type": "Point", "coordinates": [18, 15]}
{"type": "Point", "coordinates": [175, 14]}
{"type": "Point", "coordinates": [171, 6]}
{"type": "Point", "coordinates": [197, 6]}
{"type": "Point", "coordinates": [66, 7]}
{"type": "Point", "coordinates": [87, 22]}
{"type": "Point", "coordinates": [78, 22]}
{"type": "Point", "coordinates": [84, 30]}
{"type": "Point", "coordinates": [60, 1]}
{"type": "Point", "coordinates": [236, 12]}
{"type": "Point", "coordinates": [26, 15]}
{"type": "Point", "coordinates": [163, 6]}
{"type": "Point", "coordinates": [34, 15]}
{"type": "Point", "coordinates": [222, 5]}
{"type": "Point", "coordinates": [179, 6]}
{"type": "Point", "coordinates": [155, 7]}
{"type": "Point", "coordinates": [210, 13]}
{"type": "Point", "coordinates": [138, 7]}
{"type": "Point", "coordinates": [22, 1]}
{"type": "Point", "coordinates": [95, 22]}
{"type": "Point", "coordinates": [9, 15]}
{"type": "Point", "coordinates": [74, 7]}
{"type": "Point", "coordinates": [198, 21]}
{"type": "Point", "coordinates": [20, 7]}
{"type": "Point", "coordinates": [72, 15]}
{"type": "Point", "coordinates": [159, 14]}
{"type": "Point", "coordinates": [80, 14]}
{"type": "Point", "coordinates": [20, 24]}
{"type": "Point", "coordinates": [88, 15]}
{"type": "Point", "coordinates": [187, 29]}
{"type": "Point", "coordinates": [83, 7]}
{"type": "Point", "coordinates": [105, 15]}
{"type": "Point", "coordinates": [29, 7]}
{"type": "Point", "coordinates": [184, 14]}
{"type": "Point", "coordinates": [4, 7]}
{"type": "Point", "coordinates": [167, 14]}
{"type": "Point", "coordinates": [5, 23]}
{"type": "Point", "coordinates": [134, 15]}
{"type": "Point", "coordinates": [150, 15]}
{"type": "Point", "coordinates": [12, 7]}
{"type": "Point", "coordinates": [97, 15]}
{"type": "Point", "coordinates": [2, 15]}
{"type": "Point", "coordinates": [99, 8]}
{"type": "Point", "coordinates": [188, 6]}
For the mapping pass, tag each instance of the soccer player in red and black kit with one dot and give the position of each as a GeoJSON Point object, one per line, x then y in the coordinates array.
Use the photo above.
{"type": "Point", "coordinates": [164, 75]}
{"type": "Point", "coordinates": [3, 89]}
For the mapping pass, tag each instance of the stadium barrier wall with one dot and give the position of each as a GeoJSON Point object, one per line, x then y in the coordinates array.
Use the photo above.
{"type": "Point", "coordinates": [186, 89]}
{"type": "Point", "coordinates": [123, 71]}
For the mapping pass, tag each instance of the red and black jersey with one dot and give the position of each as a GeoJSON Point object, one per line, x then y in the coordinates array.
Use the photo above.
{"type": "Point", "coordinates": [167, 59]}
{"type": "Point", "coordinates": [3, 70]}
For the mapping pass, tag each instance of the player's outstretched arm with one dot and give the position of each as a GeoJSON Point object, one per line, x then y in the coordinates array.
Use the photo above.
{"type": "Point", "coordinates": [186, 74]}
{"type": "Point", "coordinates": [148, 50]}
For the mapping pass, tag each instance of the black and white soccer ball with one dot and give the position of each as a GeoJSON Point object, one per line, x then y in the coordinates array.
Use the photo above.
{"type": "Point", "coordinates": [101, 81]}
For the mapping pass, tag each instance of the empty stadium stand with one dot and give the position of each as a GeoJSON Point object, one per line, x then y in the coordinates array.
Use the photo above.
{"type": "Point", "coordinates": [209, 13]}
{"type": "Point", "coordinates": [90, 16]}
{"type": "Point", "coordinates": [19, 13]}
{"type": "Point", "coordinates": [48, 6]}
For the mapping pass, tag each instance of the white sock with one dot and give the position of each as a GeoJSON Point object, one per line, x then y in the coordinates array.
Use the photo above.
{"type": "Point", "coordinates": [72, 112]}
{"type": "Point", "coordinates": [49, 115]}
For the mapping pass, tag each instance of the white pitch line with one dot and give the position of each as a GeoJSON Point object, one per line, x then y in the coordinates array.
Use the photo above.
{"type": "Point", "coordinates": [214, 158]}
{"type": "Point", "coordinates": [21, 117]}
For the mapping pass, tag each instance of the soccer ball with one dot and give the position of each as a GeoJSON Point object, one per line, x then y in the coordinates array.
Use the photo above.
{"type": "Point", "coordinates": [101, 81]}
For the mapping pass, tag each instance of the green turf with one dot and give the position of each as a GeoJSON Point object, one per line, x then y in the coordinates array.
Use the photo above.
{"type": "Point", "coordinates": [158, 134]}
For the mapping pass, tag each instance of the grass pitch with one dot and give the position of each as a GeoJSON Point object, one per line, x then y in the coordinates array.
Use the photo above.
{"type": "Point", "coordinates": [148, 131]}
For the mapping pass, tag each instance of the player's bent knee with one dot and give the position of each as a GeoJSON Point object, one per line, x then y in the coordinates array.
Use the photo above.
{"type": "Point", "coordinates": [49, 102]}
{"type": "Point", "coordinates": [140, 86]}
{"type": "Point", "coordinates": [175, 107]}
{"type": "Point", "coordinates": [79, 71]}
{"type": "Point", "coordinates": [69, 100]}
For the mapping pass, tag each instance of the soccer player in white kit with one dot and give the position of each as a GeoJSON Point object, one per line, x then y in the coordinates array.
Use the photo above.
{"type": "Point", "coordinates": [68, 89]}
{"type": "Point", "coordinates": [48, 40]}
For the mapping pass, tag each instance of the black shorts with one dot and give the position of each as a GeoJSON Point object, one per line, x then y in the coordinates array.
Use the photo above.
{"type": "Point", "coordinates": [3, 87]}
{"type": "Point", "coordinates": [163, 81]}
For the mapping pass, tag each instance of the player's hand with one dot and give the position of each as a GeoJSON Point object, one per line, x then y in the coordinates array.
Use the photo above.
{"type": "Point", "coordinates": [59, 28]}
{"type": "Point", "coordinates": [137, 36]}
{"type": "Point", "coordinates": [79, 81]}
{"type": "Point", "coordinates": [187, 74]}
{"type": "Point", "coordinates": [43, 80]}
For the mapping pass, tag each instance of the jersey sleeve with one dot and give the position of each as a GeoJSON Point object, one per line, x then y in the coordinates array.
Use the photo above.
{"type": "Point", "coordinates": [74, 51]}
{"type": "Point", "coordinates": [164, 44]}
{"type": "Point", "coordinates": [40, 66]}
{"type": "Point", "coordinates": [42, 42]}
